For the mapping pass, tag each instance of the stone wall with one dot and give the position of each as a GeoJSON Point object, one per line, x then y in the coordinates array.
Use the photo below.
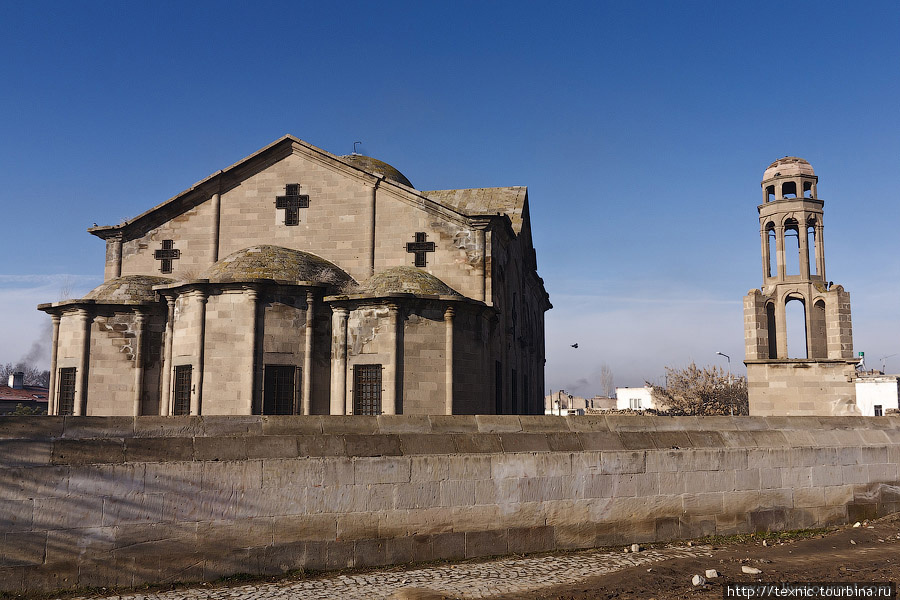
{"type": "Point", "coordinates": [118, 501]}
{"type": "Point", "coordinates": [800, 387]}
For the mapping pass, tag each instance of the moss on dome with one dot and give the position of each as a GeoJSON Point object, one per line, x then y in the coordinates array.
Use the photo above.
{"type": "Point", "coordinates": [276, 263]}
{"type": "Point", "coordinates": [406, 280]}
{"type": "Point", "coordinates": [129, 289]}
{"type": "Point", "coordinates": [373, 165]}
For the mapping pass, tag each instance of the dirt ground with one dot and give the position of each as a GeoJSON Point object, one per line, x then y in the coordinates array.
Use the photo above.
{"type": "Point", "coordinates": [868, 553]}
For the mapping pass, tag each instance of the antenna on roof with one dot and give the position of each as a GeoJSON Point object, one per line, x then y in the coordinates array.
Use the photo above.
{"type": "Point", "coordinates": [354, 147]}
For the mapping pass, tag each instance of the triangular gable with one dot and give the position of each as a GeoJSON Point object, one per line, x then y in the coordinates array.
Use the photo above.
{"type": "Point", "coordinates": [224, 179]}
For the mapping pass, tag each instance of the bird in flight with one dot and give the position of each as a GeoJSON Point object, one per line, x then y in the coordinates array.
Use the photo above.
{"type": "Point", "coordinates": [575, 345]}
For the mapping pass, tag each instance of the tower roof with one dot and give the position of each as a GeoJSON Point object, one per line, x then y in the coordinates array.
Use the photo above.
{"type": "Point", "coordinates": [787, 166]}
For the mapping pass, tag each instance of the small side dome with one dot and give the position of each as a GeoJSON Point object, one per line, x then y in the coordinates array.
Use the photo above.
{"type": "Point", "coordinates": [277, 264]}
{"type": "Point", "coordinates": [787, 166]}
{"type": "Point", "coordinates": [406, 280]}
{"type": "Point", "coordinates": [373, 165]}
{"type": "Point", "coordinates": [130, 289]}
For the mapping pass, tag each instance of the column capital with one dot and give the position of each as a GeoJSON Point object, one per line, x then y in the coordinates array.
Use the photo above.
{"type": "Point", "coordinates": [340, 311]}
{"type": "Point", "coordinates": [449, 312]}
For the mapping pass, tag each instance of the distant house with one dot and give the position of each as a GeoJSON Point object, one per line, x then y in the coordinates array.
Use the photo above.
{"type": "Point", "coordinates": [877, 393]}
{"type": "Point", "coordinates": [563, 403]}
{"type": "Point", "coordinates": [635, 398]}
{"type": "Point", "coordinates": [16, 393]}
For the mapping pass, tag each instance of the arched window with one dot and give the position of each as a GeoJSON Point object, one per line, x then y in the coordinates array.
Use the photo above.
{"type": "Point", "coordinates": [818, 338]}
{"type": "Point", "coordinates": [789, 189]}
{"type": "Point", "coordinates": [770, 193]}
{"type": "Point", "coordinates": [771, 251]}
{"type": "Point", "coordinates": [791, 247]}
{"type": "Point", "coordinates": [807, 189]}
{"type": "Point", "coordinates": [795, 314]}
{"type": "Point", "coordinates": [770, 326]}
{"type": "Point", "coordinates": [811, 246]}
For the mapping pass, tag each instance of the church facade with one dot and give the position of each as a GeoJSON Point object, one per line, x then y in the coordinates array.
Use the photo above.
{"type": "Point", "coordinates": [300, 282]}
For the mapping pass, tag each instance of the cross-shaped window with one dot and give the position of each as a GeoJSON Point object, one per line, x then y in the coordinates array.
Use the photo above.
{"type": "Point", "coordinates": [291, 203]}
{"type": "Point", "coordinates": [166, 255]}
{"type": "Point", "coordinates": [420, 247]}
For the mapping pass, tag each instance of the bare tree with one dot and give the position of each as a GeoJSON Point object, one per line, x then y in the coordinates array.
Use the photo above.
{"type": "Point", "coordinates": [606, 380]}
{"type": "Point", "coordinates": [706, 391]}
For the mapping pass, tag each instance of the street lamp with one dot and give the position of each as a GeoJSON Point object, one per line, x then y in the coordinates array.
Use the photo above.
{"type": "Point", "coordinates": [729, 359]}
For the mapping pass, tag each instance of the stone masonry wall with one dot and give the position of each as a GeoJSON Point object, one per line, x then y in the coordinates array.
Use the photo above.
{"type": "Point", "coordinates": [115, 501]}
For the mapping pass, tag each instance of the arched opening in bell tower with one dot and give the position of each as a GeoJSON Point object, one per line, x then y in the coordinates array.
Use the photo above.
{"type": "Point", "coordinates": [789, 189]}
{"type": "Point", "coordinates": [818, 338]}
{"type": "Point", "coordinates": [770, 330]}
{"type": "Point", "coordinates": [771, 250]}
{"type": "Point", "coordinates": [795, 315]}
{"type": "Point", "coordinates": [807, 189]}
{"type": "Point", "coordinates": [811, 246]}
{"type": "Point", "coordinates": [791, 247]}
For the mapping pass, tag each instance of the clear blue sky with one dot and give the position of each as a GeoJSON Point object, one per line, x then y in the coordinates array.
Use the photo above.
{"type": "Point", "coordinates": [640, 128]}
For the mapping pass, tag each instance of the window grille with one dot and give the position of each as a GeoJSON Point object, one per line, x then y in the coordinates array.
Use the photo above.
{"type": "Point", "coordinates": [182, 390]}
{"type": "Point", "coordinates": [367, 389]}
{"type": "Point", "coordinates": [279, 391]}
{"type": "Point", "coordinates": [67, 391]}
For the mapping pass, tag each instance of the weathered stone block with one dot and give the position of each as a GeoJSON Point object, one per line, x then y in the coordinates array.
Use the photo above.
{"type": "Point", "coordinates": [426, 443]}
{"type": "Point", "coordinates": [149, 449]}
{"type": "Point", "coordinates": [88, 451]}
{"type": "Point", "coordinates": [220, 448]}
{"type": "Point", "coordinates": [372, 445]}
{"type": "Point", "coordinates": [382, 470]}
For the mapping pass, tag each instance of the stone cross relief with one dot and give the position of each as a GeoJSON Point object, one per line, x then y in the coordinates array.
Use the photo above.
{"type": "Point", "coordinates": [291, 203]}
{"type": "Point", "coordinates": [166, 255]}
{"type": "Point", "coordinates": [420, 247]}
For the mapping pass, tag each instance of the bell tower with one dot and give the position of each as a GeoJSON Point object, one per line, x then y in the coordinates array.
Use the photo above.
{"type": "Point", "coordinates": [793, 268]}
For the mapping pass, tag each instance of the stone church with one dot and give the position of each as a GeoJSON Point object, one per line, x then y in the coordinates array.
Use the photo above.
{"type": "Point", "coordinates": [300, 282]}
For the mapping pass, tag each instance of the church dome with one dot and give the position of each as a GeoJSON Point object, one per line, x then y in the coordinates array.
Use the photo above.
{"type": "Point", "coordinates": [787, 166]}
{"type": "Point", "coordinates": [277, 264]}
{"type": "Point", "coordinates": [373, 165]}
{"type": "Point", "coordinates": [130, 289]}
{"type": "Point", "coordinates": [406, 280]}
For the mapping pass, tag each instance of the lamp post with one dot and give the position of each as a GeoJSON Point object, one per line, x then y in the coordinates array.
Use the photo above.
{"type": "Point", "coordinates": [729, 359]}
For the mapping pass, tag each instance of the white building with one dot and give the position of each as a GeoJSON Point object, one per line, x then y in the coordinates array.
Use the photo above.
{"type": "Point", "coordinates": [875, 394]}
{"type": "Point", "coordinates": [635, 398]}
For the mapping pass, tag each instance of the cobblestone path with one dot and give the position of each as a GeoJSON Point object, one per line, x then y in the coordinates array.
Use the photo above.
{"type": "Point", "coordinates": [463, 580]}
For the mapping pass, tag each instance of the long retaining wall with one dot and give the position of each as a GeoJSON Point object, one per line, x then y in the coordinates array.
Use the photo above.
{"type": "Point", "coordinates": [94, 501]}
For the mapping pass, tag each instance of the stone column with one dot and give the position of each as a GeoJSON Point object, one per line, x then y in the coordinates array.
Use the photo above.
{"type": "Point", "coordinates": [779, 249]}
{"type": "Point", "coordinates": [764, 236]}
{"type": "Point", "coordinates": [390, 395]}
{"type": "Point", "coordinates": [308, 353]}
{"type": "Point", "coordinates": [53, 394]}
{"type": "Point", "coordinates": [370, 260]}
{"type": "Point", "coordinates": [217, 212]}
{"type": "Point", "coordinates": [820, 252]}
{"type": "Point", "coordinates": [802, 235]}
{"type": "Point", "coordinates": [140, 323]}
{"type": "Point", "coordinates": [482, 243]}
{"type": "Point", "coordinates": [339, 360]}
{"type": "Point", "coordinates": [84, 363]}
{"type": "Point", "coordinates": [448, 358]}
{"type": "Point", "coordinates": [253, 295]}
{"type": "Point", "coordinates": [197, 398]}
{"type": "Point", "coordinates": [117, 245]}
{"type": "Point", "coordinates": [165, 398]}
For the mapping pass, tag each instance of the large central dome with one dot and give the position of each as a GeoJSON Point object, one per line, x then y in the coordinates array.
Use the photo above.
{"type": "Point", "coordinates": [373, 165]}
